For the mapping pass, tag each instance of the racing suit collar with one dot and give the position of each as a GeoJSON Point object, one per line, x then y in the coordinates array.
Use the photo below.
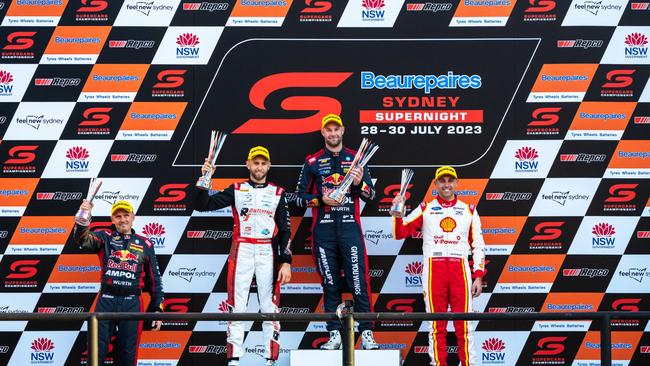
{"type": "Point", "coordinates": [334, 153]}
{"type": "Point", "coordinates": [258, 185]}
{"type": "Point", "coordinates": [116, 233]}
{"type": "Point", "coordinates": [445, 203]}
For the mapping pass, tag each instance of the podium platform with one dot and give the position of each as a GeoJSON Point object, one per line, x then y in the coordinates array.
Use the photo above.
{"type": "Point", "coordinates": [317, 357]}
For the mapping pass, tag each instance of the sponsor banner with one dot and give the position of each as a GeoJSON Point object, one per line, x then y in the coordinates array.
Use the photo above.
{"type": "Point", "coordinates": [34, 13]}
{"type": "Point", "coordinates": [628, 46]}
{"type": "Point", "coordinates": [304, 288]}
{"type": "Point", "coordinates": [570, 195]}
{"type": "Point", "coordinates": [188, 45]}
{"type": "Point", "coordinates": [546, 121]}
{"type": "Point", "coordinates": [500, 233]}
{"type": "Point", "coordinates": [303, 270]}
{"type": "Point", "coordinates": [469, 190]}
{"type": "Point", "coordinates": [482, 13]}
{"type": "Point", "coordinates": [508, 197]}
{"type": "Point", "coordinates": [157, 13]}
{"type": "Point", "coordinates": [568, 302]}
{"type": "Point", "coordinates": [498, 348]}
{"type": "Point", "coordinates": [398, 303]}
{"type": "Point", "coordinates": [195, 12]}
{"type": "Point", "coordinates": [259, 13]}
{"type": "Point", "coordinates": [57, 83]}
{"type": "Point", "coordinates": [562, 83]}
{"type": "Point", "coordinates": [22, 159]}
{"type": "Point", "coordinates": [547, 235]}
{"type": "Point", "coordinates": [624, 345]}
{"type": "Point", "coordinates": [77, 159]}
{"type": "Point", "coordinates": [206, 235]}
{"type": "Point", "coordinates": [61, 304]}
{"type": "Point", "coordinates": [162, 348]}
{"type": "Point", "coordinates": [94, 121]}
{"type": "Point", "coordinates": [124, 44]}
{"type": "Point", "coordinates": [529, 273]}
{"type": "Point", "coordinates": [75, 45]}
{"type": "Point", "coordinates": [603, 235]}
{"type": "Point", "coordinates": [23, 45]}
{"type": "Point", "coordinates": [254, 346]}
{"type": "Point", "coordinates": [196, 273]}
{"type": "Point", "coordinates": [167, 83]}
{"type": "Point", "coordinates": [370, 13]}
{"type": "Point", "coordinates": [62, 196]}
{"type": "Point", "coordinates": [600, 121]}
{"type": "Point", "coordinates": [616, 83]}
{"type": "Point", "coordinates": [218, 303]}
{"type": "Point", "coordinates": [393, 340]}
{"type": "Point", "coordinates": [405, 276]}
{"type": "Point", "coordinates": [625, 302]}
{"type": "Point", "coordinates": [582, 159]}
{"type": "Point", "coordinates": [631, 275]}
{"type": "Point", "coordinates": [526, 159]}
{"type": "Point", "coordinates": [542, 11]}
{"type": "Point", "coordinates": [14, 81]}
{"type": "Point", "coordinates": [582, 273]}
{"type": "Point", "coordinates": [594, 13]}
{"type": "Point", "coordinates": [630, 160]}
{"type": "Point", "coordinates": [378, 235]}
{"type": "Point", "coordinates": [25, 274]}
{"type": "Point", "coordinates": [550, 348]}
{"type": "Point", "coordinates": [11, 303]}
{"type": "Point", "coordinates": [163, 231]}
{"type": "Point", "coordinates": [117, 189]}
{"type": "Point", "coordinates": [113, 83]}
{"type": "Point", "coordinates": [15, 195]}
{"type": "Point", "coordinates": [640, 241]}
{"type": "Point", "coordinates": [43, 348]}
{"type": "Point", "coordinates": [96, 12]}
{"type": "Point", "coordinates": [151, 121]}
{"type": "Point", "coordinates": [206, 348]}
{"type": "Point", "coordinates": [39, 121]}
{"type": "Point", "coordinates": [183, 303]}
{"type": "Point", "coordinates": [619, 198]}
{"type": "Point", "coordinates": [75, 273]}
{"type": "Point", "coordinates": [37, 235]}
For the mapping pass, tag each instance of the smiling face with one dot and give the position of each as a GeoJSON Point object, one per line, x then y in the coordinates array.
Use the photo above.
{"type": "Point", "coordinates": [333, 134]}
{"type": "Point", "coordinates": [123, 221]}
{"type": "Point", "coordinates": [446, 187]}
{"type": "Point", "coordinates": [258, 168]}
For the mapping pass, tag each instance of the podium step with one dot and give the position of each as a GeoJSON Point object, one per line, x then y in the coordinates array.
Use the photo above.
{"type": "Point", "coordinates": [318, 357]}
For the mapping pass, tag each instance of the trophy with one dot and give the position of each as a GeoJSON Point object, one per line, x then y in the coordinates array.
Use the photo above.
{"type": "Point", "coordinates": [366, 150]}
{"type": "Point", "coordinates": [83, 216]}
{"type": "Point", "coordinates": [397, 210]}
{"type": "Point", "coordinates": [216, 143]}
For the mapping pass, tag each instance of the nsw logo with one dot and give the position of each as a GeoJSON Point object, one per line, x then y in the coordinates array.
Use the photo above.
{"type": "Point", "coordinates": [42, 351]}
{"type": "Point", "coordinates": [603, 236]}
{"type": "Point", "coordinates": [636, 45]}
{"type": "Point", "coordinates": [77, 159]}
{"type": "Point", "coordinates": [527, 160]}
{"type": "Point", "coordinates": [373, 10]}
{"type": "Point", "coordinates": [493, 351]}
{"type": "Point", "coordinates": [155, 232]}
{"type": "Point", "coordinates": [6, 83]}
{"type": "Point", "coordinates": [187, 46]}
{"type": "Point", "coordinates": [413, 274]}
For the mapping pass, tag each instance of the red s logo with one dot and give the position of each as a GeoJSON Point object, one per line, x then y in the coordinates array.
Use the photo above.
{"type": "Point", "coordinates": [22, 154]}
{"type": "Point", "coordinates": [93, 6]}
{"type": "Point", "coordinates": [549, 346]}
{"type": "Point", "coordinates": [316, 6]}
{"type": "Point", "coordinates": [545, 117]}
{"type": "Point", "coordinates": [172, 193]}
{"type": "Point", "coordinates": [549, 230]}
{"type": "Point", "coordinates": [96, 116]}
{"type": "Point", "coordinates": [179, 305]}
{"type": "Point", "coordinates": [401, 305]}
{"type": "Point", "coordinates": [626, 305]}
{"type": "Point", "coordinates": [315, 344]}
{"type": "Point", "coordinates": [170, 79]}
{"type": "Point", "coordinates": [392, 191]}
{"type": "Point", "coordinates": [19, 41]}
{"type": "Point", "coordinates": [540, 6]}
{"type": "Point", "coordinates": [622, 192]}
{"type": "Point", "coordinates": [23, 269]}
{"type": "Point", "coordinates": [320, 104]}
{"type": "Point", "coordinates": [619, 79]}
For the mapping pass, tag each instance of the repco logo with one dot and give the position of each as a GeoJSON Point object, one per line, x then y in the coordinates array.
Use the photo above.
{"type": "Point", "coordinates": [23, 154]}
{"type": "Point", "coordinates": [392, 190]}
{"type": "Point", "coordinates": [172, 192]}
{"type": "Point", "coordinates": [92, 6]}
{"type": "Point", "coordinates": [179, 305]}
{"type": "Point", "coordinates": [23, 269]}
{"type": "Point", "coordinates": [401, 305]}
{"type": "Point", "coordinates": [544, 117]}
{"type": "Point", "coordinates": [619, 79]}
{"type": "Point", "coordinates": [550, 346]}
{"type": "Point", "coordinates": [168, 79]}
{"type": "Point", "coordinates": [623, 192]}
{"type": "Point", "coordinates": [321, 104]}
{"type": "Point", "coordinates": [96, 116]}
{"type": "Point", "coordinates": [18, 41]}
{"type": "Point", "coordinates": [626, 305]}
{"type": "Point", "coordinates": [548, 230]}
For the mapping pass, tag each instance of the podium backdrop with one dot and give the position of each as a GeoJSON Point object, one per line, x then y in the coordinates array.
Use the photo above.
{"type": "Point", "coordinates": [542, 105]}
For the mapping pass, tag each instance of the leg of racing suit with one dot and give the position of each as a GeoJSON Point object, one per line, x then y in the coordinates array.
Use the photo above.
{"type": "Point", "coordinates": [105, 328]}
{"type": "Point", "coordinates": [355, 266]}
{"type": "Point", "coordinates": [268, 297]}
{"type": "Point", "coordinates": [325, 251]}
{"type": "Point", "coordinates": [436, 281]}
{"type": "Point", "coordinates": [128, 331]}
{"type": "Point", "coordinates": [241, 267]}
{"type": "Point", "coordinates": [460, 298]}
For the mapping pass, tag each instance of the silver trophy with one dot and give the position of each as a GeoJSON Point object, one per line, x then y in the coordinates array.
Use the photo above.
{"type": "Point", "coordinates": [83, 217]}
{"type": "Point", "coordinates": [366, 150]}
{"type": "Point", "coordinates": [397, 210]}
{"type": "Point", "coordinates": [216, 143]}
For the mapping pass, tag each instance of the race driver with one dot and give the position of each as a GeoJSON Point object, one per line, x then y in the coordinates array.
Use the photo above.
{"type": "Point", "coordinates": [338, 243]}
{"type": "Point", "coordinates": [451, 230]}
{"type": "Point", "coordinates": [260, 247]}
{"type": "Point", "coordinates": [129, 264]}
